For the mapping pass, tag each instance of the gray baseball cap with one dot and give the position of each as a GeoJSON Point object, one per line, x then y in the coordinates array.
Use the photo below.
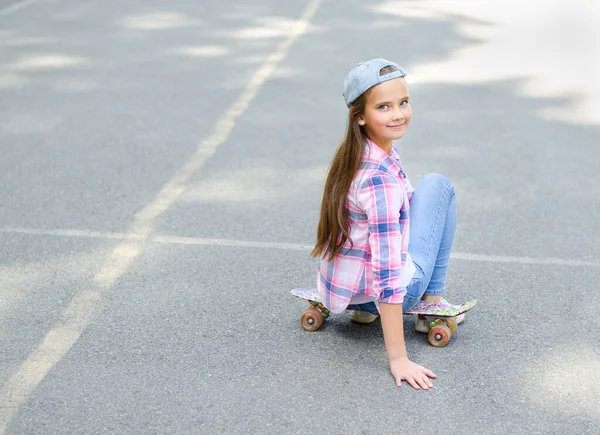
{"type": "Point", "coordinates": [365, 75]}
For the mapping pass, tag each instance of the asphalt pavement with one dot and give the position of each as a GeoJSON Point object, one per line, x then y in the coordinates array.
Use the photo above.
{"type": "Point", "coordinates": [161, 171]}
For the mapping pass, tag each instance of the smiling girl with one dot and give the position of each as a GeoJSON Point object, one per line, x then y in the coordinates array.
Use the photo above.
{"type": "Point", "coordinates": [383, 245]}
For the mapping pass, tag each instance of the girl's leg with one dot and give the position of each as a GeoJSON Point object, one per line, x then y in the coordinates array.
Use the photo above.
{"type": "Point", "coordinates": [432, 228]}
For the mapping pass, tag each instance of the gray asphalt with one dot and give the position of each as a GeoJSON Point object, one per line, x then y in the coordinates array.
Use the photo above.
{"type": "Point", "coordinates": [102, 102]}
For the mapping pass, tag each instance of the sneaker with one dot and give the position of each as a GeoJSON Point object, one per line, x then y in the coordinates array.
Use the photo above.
{"type": "Point", "coordinates": [460, 318]}
{"type": "Point", "coordinates": [422, 324]}
{"type": "Point", "coordinates": [363, 317]}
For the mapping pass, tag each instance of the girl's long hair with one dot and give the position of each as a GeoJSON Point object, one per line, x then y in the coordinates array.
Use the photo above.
{"type": "Point", "coordinates": [334, 225]}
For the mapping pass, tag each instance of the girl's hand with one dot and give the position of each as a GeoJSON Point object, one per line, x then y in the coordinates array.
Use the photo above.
{"type": "Point", "coordinates": [414, 374]}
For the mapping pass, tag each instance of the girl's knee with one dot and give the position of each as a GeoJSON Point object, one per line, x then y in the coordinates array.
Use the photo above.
{"type": "Point", "coordinates": [438, 180]}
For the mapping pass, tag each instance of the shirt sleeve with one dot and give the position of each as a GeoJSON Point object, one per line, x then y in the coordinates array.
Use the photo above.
{"type": "Point", "coordinates": [380, 197]}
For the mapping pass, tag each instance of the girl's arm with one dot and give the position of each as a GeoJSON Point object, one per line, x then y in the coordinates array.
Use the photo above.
{"type": "Point", "coordinates": [393, 333]}
{"type": "Point", "coordinates": [380, 198]}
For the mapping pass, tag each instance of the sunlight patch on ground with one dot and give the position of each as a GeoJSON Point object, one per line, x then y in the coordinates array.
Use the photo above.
{"type": "Point", "coordinates": [565, 382]}
{"type": "Point", "coordinates": [254, 185]}
{"type": "Point", "coordinates": [46, 62]}
{"type": "Point", "coordinates": [248, 60]}
{"type": "Point", "coordinates": [551, 46]}
{"type": "Point", "coordinates": [21, 278]}
{"type": "Point", "coordinates": [286, 73]}
{"type": "Point", "coordinates": [159, 21]}
{"type": "Point", "coordinates": [267, 27]}
{"type": "Point", "coordinates": [203, 51]}
{"type": "Point", "coordinates": [388, 24]}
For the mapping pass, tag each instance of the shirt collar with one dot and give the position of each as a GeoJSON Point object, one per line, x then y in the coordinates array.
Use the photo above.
{"type": "Point", "coordinates": [373, 153]}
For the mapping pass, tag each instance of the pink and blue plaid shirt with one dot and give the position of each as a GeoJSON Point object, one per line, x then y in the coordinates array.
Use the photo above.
{"type": "Point", "coordinates": [376, 266]}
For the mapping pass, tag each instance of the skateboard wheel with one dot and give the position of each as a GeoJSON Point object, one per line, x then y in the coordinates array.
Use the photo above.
{"type": "Point", "coordinates": [451, 323]}
{"type": "Point", "coordinates": [439, 335]}
{"type": "Point", "coordinates": [311, 320]}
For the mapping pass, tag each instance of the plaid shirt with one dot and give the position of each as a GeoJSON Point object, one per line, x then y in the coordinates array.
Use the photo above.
{"type": "Point", "coordinates": [377, 265]}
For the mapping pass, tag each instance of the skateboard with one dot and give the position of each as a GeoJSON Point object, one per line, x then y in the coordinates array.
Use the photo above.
{"type": "Point", "coordinates": [441, 319]}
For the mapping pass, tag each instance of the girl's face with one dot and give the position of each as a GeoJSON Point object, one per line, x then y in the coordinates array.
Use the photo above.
{"type": "Point", "coordinates": [387, 112]}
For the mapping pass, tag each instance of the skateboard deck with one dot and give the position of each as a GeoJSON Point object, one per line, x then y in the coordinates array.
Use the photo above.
{"type": "Point", "coordinates": [423, 308]}
{"type": "Point", "coordinates": [440, 317]}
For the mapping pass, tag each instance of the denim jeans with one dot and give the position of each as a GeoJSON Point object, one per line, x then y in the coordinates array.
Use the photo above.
{"type": "Point", "coordinates": [432, 228]}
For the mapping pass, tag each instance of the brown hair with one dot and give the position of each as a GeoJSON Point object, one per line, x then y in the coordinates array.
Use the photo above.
{"type": "Point", "coordinates": [333, 230]}
{"type": "Point", "coordinates": [334, 225]}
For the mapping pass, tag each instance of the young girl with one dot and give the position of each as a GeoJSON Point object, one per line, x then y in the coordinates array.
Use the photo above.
{"type": "Point", "coordinates": [383, 245]}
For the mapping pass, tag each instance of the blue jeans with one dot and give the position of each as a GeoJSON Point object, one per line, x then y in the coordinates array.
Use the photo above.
{"type": "Point", "coordinates": [432, 228]}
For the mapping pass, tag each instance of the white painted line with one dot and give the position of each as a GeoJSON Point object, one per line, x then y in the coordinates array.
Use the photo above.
{"type": "Point", "coordinates": [76, 317]}
{"type": "Point", "coordinates": [233, 243]}
{"type": "Point", "coordinates": [63, 233]}
{"type": "Point", "coordinates": [16, 7]}
{"type": "Point", "coordinates": [524, 260]}
{"type": "Point", "coordinates": [202, 241]}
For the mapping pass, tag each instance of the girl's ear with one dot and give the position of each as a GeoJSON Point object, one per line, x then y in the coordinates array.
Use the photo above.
{"type": "Point", "coordinates": [361, 120]}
